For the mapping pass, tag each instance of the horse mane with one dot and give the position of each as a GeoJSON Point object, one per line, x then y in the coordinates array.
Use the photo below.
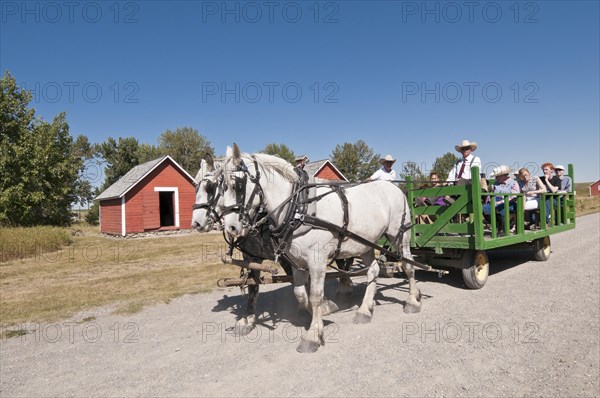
{"type": "Point", "coordinates": [279, 165]}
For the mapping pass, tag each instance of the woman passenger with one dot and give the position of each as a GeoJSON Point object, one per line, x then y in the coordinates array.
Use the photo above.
{"type": "Point", "coordinates": [531, 188]}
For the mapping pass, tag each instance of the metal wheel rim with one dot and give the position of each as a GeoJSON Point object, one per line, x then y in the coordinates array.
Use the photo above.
{"type": "Point", "coordinates": [481, 266]}
{"type": "Point", "coordinates": [546, 246]}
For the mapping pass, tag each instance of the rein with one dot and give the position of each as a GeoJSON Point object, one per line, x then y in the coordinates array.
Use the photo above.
{"type": "Point", "coordinates": [296, 216]}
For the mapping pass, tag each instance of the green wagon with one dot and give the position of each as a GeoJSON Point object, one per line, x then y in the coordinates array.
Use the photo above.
{"type": "Point", "coordinates": [459, 236]}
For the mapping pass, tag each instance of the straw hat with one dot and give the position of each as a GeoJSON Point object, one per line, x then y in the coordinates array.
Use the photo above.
{"type": "Point", "coordinates": [302, 158]}
{"type": "Point", "coordinates": [466, 143]}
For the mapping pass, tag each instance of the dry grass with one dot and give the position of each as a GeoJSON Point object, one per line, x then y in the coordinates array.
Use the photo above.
{"type": "Point", "coordinates": [97, 271]}
{"type": "Point", "coordinates": [587, 205]}
{"type": "Point", "coordinates": [17, 243]}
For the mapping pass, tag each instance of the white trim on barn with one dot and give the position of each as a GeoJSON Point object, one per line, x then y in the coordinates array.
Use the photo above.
{"type": "Point", "coordinates": [176, 209]}
{"type": "Point", "coordinates": [123, 219]}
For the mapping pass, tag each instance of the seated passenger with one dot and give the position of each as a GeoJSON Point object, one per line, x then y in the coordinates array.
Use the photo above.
{"type": "Point", "coordinates": [566, 184]}
{"type": "Point", "coordinates": [503, 184]}
{"type": "Point", "coordinates": [531, 188]}
{"type": "Point", "coordinates": [432, 200]}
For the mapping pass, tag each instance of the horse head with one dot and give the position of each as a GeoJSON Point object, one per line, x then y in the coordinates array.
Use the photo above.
{"type": "Point", "coordinates": [242, 192]}
{"type": "Point", "coordinates": [209, 200]}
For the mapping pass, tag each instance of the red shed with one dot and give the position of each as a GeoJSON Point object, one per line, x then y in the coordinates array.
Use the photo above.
{"type": "Point", "coordinates": [595, 188]}
{"type": "Point", "coordinates": [154, 196]}
{"type": "Point", "coordinates": [324, 170]}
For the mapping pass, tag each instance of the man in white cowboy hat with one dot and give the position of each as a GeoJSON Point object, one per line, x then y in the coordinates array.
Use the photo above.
{"type": "Point", "coordinates": [461, 172]}
{"type": "Point", "coordinates": [504, 184]}
{"type": "Point", "coordinates": [385, 173]}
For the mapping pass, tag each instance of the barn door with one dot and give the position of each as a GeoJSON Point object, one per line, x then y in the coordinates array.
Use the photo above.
{"type": "Point", "coordinates": [151, 210]}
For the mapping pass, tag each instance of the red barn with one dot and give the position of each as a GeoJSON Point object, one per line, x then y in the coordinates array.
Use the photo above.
{"type": "Point", "coordinates": [323, 171]}
{"type": "Point", "coordinates": [594, 188]}
{"type": "Point", "coordinates": [154, 196]}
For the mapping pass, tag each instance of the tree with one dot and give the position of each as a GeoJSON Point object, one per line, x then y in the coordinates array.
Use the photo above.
{"type": "Point", "coordinates": [280, 150]}
{"type": "Point", "coordinates": [412, 170]}
{"type": "Point", "coordinates": [443, 164]}
{"type": "Point", "coordinates": [356, 161]}
{"type": "Point", "coordinates": [186, 147]}
{"type": "Point", "coordinates": [39, 162]}
{"type": "Point", "coordinates": [93, 215]}
{"type": "Point", "coordinates": [119, 156]}
{"type": "Point", "coordinates": [148, 152]}
{"type": "Point", "coordinates": [83, 187]}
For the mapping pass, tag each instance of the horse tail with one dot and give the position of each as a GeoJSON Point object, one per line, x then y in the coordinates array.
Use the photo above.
{"type": "Point", "coordinates": [402, 237]}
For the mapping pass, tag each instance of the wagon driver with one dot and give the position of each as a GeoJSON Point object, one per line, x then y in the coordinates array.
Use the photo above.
{"type": "Point", "coordinates": [461, 172]}
{"type": "Point", "coordinates": [385, 173]}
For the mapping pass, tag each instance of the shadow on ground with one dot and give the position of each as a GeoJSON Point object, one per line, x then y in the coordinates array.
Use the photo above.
{"type": "Point", "coordinates": [278, 304]}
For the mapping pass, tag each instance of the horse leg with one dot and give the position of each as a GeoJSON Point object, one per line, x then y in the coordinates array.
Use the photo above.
{"type": "Point", "coordinates": [413, 303]}
{"type": "Point", "coordinates": [365, 311]}
{"type": "Point", "coordinates": [314, 335]}
{"type": "Point", "coordinates": [300, 279]}
{"type": "Point", "coordinates": [345, 287]}
{"type": "Point", "coordinates": [248, 322]}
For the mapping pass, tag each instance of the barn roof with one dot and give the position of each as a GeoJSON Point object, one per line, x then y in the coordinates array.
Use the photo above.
{"type": "Point", "coordinates": [313, 168]}
{"type": "Point", "coordinates": [134, 176]}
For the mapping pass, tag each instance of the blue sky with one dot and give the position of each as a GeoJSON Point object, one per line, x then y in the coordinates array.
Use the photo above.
{"type": "Point", "coordinates": [410, 78]}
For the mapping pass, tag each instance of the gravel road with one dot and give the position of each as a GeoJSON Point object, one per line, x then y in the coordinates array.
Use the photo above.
{"type": "Point", "coordinates": [533, 330]}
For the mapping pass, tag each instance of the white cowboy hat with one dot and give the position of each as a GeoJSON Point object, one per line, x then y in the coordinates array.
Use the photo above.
{"type": "Point", "coordinates": [302, 158]}
{"type": "Point", "coordinates": [466, 143]}
{"type": "Point", "coordinates": [500, 170]}
{"type": "Point", "coordinates": [559, 167]}
{"type": "Point", "coordinates": [387, 158]}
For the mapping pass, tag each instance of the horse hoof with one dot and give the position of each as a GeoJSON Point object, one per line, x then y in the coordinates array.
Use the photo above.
{"type": "Point", "coordinates": [307, 347]}
{"type": "Point", "coordinates": [362, 318]}
{"type": "Point", "coordinates": [242, 330]}
{"type": "Point", "coordinates": [411, 309]}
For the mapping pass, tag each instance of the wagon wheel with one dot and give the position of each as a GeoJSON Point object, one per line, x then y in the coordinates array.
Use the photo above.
{"type": "Point", "coordinates": [476, 267]}
{"type": "Point", "coordinates": [541, 248]}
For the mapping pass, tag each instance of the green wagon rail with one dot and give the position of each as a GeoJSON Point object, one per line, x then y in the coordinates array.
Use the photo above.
{"type": "Point", "coordinates": [459, 235]}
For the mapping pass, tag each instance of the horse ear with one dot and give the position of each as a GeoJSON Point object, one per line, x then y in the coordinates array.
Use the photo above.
{"type": "Point", "coordinates": [237, 155]}
{"type": "Point", "coordinates": [200, 173]}
{"type": "Point", "coordinates": [210, 163]}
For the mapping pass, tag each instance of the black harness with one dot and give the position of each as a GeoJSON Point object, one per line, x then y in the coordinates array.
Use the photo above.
{"type": "Point", "coordinates": [296, 216]}
{"type": "Point", "coordinates": [213, 193]}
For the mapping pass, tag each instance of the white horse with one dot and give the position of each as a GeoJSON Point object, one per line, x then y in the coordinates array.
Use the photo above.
{"type": "Point", "coordinates": [375, 209]}
{"type": "Point", "coordinates": [208, 196]}
{"type": "Point", "coordinates": [257, 247]}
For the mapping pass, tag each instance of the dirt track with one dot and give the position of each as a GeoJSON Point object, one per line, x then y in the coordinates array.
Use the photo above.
{"type": "Point", "coordinates": [533, 330]}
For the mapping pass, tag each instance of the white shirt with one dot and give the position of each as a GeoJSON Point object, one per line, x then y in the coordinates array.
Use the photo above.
{"type": "Point", "coordinates": [471, 161]}
{"type": "Point", "coordinates": [381, 174]}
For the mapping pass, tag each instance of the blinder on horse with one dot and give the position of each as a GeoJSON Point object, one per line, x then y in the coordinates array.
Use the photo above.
{"type": "Point", "coordinates": [240, 178]}
{"type": "Point", "coordinates": [213, 194]}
